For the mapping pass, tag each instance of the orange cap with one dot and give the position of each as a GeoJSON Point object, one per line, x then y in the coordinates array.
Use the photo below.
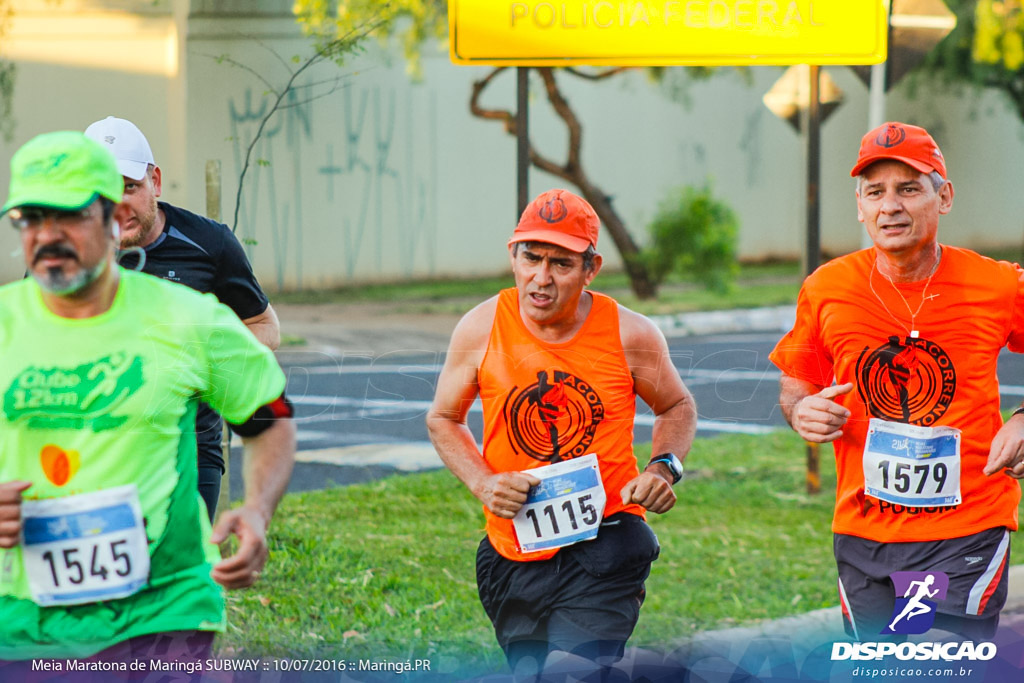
{"type": "Point", "coordinates": [900, 141]}
{"type": "Point", "coordinates": [559, 217]}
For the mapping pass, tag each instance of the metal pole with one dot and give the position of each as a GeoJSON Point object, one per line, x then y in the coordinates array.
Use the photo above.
{"type": "Point", "coordinates": [876, 103]}
{"type": "Point", "coordinates": [522, 138]}
{"type": "Point", "coordinates": [876, 96]}
{"type": "Point", "coordinates": [213, 201]}
{"type": "Point", "coordinates": [876, 117]}
{"type": "Point", "coordinates": [213, 189]}
{"type": "Point", "coordinates": [813, 256]}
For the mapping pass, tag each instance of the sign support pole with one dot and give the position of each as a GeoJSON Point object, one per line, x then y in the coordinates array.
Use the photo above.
{"type": "Point", "coordinates": [522, 138]}
{"type": "Point", "coordinates": [812, 257]}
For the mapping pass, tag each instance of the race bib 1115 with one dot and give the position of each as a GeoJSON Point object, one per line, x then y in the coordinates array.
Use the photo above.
{"type": "Point", "coordinates": [565, 508]}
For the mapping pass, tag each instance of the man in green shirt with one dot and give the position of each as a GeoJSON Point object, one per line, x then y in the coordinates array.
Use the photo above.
{"type": "Point", "coordinates": [105, 550]}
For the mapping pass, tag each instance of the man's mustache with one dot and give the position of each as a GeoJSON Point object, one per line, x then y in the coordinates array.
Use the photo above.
{"type": "Point", "coordinates": [54, 250]}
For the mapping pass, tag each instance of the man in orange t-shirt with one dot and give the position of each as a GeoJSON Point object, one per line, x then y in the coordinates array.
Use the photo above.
{"type": "Point", "coordinates": [910, 331]}
{"type": "Point", "coordinates": [557, 369]}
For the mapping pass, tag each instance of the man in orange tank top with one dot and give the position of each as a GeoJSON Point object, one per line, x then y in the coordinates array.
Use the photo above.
{"type": "Point", "coordinates": [558, 368]}
{"type": "Point", "coordinates": [893, 360]}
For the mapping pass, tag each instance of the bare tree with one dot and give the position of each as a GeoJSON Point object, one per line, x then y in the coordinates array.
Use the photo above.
{"type": "Point", "coordinates": [332, 50]}
{"type": "Point", "coordinates": [572, 169]}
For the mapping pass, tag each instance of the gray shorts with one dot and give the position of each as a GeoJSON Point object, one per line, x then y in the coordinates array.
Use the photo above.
{"type": "Point", "coordinates": [976, 567]}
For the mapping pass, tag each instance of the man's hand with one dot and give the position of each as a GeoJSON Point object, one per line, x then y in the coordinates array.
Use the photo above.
{"type": "Point", "coordinates": [819, 419]}
{"type": "Point", "coordinates": [243, 568]}
{"type": "Point", "coordinates": [650, 490]}
{"type": "Point", "coordinates": [1007, 450]}
{"type": "Point", "coordinates": [505, 492]}
{"type": "Point", "coordinates": [10, 512]}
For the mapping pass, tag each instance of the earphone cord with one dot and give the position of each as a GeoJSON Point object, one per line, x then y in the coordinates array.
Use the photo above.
{"type": "Point", "coordinates": [142, 256]}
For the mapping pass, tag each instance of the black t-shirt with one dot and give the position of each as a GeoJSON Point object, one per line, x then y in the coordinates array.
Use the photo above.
{"type": "Point", "coordinates": [206, 256]}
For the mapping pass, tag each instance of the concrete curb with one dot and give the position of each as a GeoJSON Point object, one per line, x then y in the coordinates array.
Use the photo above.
{"type": "Point", "coordinates": [769, 319]}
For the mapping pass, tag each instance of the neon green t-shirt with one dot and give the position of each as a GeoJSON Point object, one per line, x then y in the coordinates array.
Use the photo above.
{"type": "Point", "coordinates": [107, 401]}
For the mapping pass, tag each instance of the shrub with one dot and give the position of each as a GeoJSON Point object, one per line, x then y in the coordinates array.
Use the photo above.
{"type": "Point", "coordinates": [694, 236]}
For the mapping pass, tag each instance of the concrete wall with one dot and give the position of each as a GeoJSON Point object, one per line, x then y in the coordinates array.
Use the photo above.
{"type": "Point", "coordinates": [365, 175]}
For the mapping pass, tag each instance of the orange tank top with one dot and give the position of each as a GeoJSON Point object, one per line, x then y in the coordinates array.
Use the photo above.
{"type": "Point", "coordinates": [546, 402]}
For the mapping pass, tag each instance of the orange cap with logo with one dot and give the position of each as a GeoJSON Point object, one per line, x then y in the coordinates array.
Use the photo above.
{"type": "Point", "coordinates": [559, 217]}
{"type": "Point", "coordinates": [900, 141]}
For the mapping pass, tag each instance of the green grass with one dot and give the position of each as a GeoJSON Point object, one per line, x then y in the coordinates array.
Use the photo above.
{"type": "Point", "coordinates": [387, 569]}
{"type": "Point", "coordinates": [772, 283]}
{"type": "Point", "coordinates": [765, 284]}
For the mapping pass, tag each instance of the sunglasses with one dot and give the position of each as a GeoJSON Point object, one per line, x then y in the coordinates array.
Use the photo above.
{"type": "Point", "coordinates": [34, 216]}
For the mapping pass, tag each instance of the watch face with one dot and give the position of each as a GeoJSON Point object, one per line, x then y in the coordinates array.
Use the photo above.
{"type": "Point", "coordinates": [673, 464]}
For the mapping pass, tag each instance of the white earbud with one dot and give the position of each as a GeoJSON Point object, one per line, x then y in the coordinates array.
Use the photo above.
{"type": "Point", "coordinates": [115, 231]}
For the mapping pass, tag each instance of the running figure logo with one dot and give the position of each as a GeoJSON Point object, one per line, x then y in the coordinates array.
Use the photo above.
{"type": "Point", "coordinates": [917, 596]}
{"type": "Point", "coordinates": [550, 402]}
{"type": "Point", "coordinates": [908, 380]}
{"type": "Point", "coordinates": [555, 418]}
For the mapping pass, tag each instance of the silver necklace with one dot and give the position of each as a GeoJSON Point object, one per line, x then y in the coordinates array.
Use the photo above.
{"type": "Point", "coordinates": [912, 330]}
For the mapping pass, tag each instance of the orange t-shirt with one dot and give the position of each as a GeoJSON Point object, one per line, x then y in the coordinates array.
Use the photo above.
{"type": "Point", "coordinates": [852, 325]}
{"type": "Point", "coordinates": [546, 402]}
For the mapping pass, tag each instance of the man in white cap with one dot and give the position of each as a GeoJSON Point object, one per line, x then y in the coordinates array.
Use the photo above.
{"type": "Point", "coordinates": [184, 247]}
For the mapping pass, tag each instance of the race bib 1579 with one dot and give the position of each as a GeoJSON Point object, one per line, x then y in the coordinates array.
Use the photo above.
{"type": "Point", "coordinates": [912, 465]}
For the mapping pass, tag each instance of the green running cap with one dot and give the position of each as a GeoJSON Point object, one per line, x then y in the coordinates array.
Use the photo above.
{"type": "Point", "coordinates": [63, 170]}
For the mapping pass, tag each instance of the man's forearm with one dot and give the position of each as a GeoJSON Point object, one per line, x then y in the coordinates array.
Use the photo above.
{"type": "Point", "coordinates": [266, 328]}
{"type": "Point", "coordinates": [458, 451]}
{"type": "Point", "coordinates": [791, 392]}
{"type": "Point", "coordinates": [675, 429]}
{"type": "Point", "coordinates": [269, 459]}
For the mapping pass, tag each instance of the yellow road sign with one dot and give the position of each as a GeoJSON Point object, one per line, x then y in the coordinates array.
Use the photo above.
{"type": "Point", "coordinates": [667, 32]}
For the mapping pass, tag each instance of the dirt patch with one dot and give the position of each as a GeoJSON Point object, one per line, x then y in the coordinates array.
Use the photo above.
{"type": "Point", "coordinates": [371, 329]}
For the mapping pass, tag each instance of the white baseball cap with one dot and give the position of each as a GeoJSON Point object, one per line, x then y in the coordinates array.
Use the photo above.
{"type": "Point", "coordinates": [127, 143]}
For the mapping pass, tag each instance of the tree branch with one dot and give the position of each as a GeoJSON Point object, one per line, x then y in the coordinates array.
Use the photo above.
{"type": "Point", "coordinates": [325, 51]}
{"type": "Point", "coordinates": [562, 108]}
{"type": "Point", "coordinates": [244, 67]}
{"type": "Point", "coordinates": [508, 118]}
{"type": "Point", "coordinates": [599, 76]}
{"type": "Point", "coordinates": [335, 86]}
{"type": "Point", "coordinates": [503, 115]}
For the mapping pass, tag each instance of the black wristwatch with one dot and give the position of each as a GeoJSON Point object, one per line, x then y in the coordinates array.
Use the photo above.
{"type": "Point", "coordinates": [672, 462]}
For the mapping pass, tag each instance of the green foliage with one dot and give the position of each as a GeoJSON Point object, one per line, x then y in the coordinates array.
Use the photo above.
{"type": "Point", "coordinates": [411, 21]}
{"type": "Point", "coordinates": [695, 236]}
{"type": "Point", "coordinates": [986, 49]}
{"type": "Point", "coordinates": [7, 76]}
{"type": "Point", "coordinates": [999, 34]}
{"type": "Point", "coordinates": [8, 73]}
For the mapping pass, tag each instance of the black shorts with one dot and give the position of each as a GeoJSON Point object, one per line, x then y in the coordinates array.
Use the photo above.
{"type": "Point", "coordinates": [586, 599]}
{"type": "Point", "coordinates": [976, 566]}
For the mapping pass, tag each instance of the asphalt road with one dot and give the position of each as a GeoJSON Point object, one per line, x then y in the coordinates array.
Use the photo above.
{"type": "Point", "coordinates": [360, 417]}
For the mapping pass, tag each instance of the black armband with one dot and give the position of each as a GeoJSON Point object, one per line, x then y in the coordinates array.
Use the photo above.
{"type": "Point", "coordinates": [1017, 412]}
{"type": "Point", "coordinates": [265, 416]}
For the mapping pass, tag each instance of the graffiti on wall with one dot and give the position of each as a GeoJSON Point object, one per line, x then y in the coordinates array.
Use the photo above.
{"type": "Point", "coordinates": [343, 188]}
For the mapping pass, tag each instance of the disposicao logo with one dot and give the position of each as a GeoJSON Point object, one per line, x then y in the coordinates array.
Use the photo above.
{"type": "Point", "coordinates": [917, 595]}
{"type": "Point", "coordinates": [921, 652]}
